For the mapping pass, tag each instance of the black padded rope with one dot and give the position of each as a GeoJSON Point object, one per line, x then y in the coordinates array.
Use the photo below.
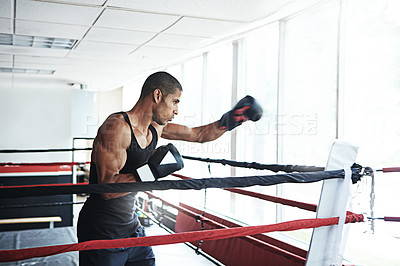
{"type": "Point", "coordinates": [253, 165]}
{"type": "Point", "coordinates": [197, 184]}
{"type": "Point", "coordinates": [358, 170]}
{"type": "Point", "coordinates": [272, 167]}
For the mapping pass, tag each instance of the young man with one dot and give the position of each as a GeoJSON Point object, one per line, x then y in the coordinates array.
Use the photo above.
{"type": "Point", "coordinates": [125, 142]}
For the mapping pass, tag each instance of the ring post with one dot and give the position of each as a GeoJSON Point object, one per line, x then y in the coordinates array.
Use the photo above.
{"type": "Point", "coordinates": [326, 246]}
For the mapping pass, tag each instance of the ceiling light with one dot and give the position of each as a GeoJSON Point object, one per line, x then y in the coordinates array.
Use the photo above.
{"type": "Point", "coordinates": [35, 41]}
{"type": "Point", "coordinates": [26, 71]}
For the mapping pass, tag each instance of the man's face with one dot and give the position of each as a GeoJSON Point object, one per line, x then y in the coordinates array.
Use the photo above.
{"type": "Point", "coordinates": [167, 108]}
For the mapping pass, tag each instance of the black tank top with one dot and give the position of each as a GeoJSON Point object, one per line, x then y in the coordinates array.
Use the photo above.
{"type": "Point", "coordinates": [114, 218]}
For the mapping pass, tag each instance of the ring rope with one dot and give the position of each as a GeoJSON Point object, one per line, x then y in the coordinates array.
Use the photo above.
{"type": "Point", "coordinates": [287, 202]}
{"type": "Point", "coordinates": [253, 165]}
{"type": "Point", "coordinates": [27, 253]}
{"type": "Point", "coordinates": [201, 218]}
{"type": "Point", "coordinates": [48, 204]}
{"type": "Point", "coordinates": [286, 168]}
{"type": "Point", "coordinates": [386, 218]}
{"type": "Point", "coordinates": [197, 184]}
{"type": "Point", "coordinates": [44, 164]}
{"type": "Point", "coordinates": [45, 185]}
{"type": "Point", "coordinates": [358, 170]}
{"type": "Point", "coordinates": [284, 201]}
{"type": "Point", "coordinates": [202, 238]}
{"type": "Point", "coordinates": [158, 222]}
{"type": "Point", "coordinates": [45, 150]}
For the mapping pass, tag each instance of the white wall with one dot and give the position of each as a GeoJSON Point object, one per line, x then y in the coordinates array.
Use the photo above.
{"type": "Point", "coordinates": [35, 119]}
{"type": "Point", "coordinates": [83, 118]}
{"type": "Point", "coordinates": [107, 103]}
{"type": "Point", "coordinates": [49, 119]}
{"type": "Point", "coordinates": [131, 93]}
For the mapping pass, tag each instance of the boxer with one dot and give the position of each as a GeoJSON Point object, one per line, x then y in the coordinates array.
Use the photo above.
{"type": "Point", "coordinates": [124, 150]}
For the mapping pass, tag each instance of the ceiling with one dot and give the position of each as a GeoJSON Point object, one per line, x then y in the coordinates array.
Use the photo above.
{"type": "Point", "coordinates": [116, 40]}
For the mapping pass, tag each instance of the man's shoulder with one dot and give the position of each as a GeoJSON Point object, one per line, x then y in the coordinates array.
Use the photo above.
{"type": "Point", "coordinates": [114, 121]}
{"type": "Point", "coordinates": [115, 116]}
{"type": "Point", "coordinates": [114, 130]}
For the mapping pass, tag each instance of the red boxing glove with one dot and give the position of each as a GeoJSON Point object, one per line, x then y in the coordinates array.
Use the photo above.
{"type": "Point", "coordinates": [246, 109]}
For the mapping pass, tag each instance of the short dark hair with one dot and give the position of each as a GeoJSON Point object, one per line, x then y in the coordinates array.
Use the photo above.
{"type": "Point", "coordinates": [160, 80]}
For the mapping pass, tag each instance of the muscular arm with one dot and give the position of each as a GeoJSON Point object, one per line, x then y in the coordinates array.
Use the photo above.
{"type": "Point", "coordinates": [109, 154]}
{"type": "Point", "coordinates": [200, 134]}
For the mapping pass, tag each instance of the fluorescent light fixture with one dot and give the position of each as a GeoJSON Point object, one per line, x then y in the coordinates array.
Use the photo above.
{"type": "Point", "coordinates": [37, 42]}
{"type": "Point", "coordinates": [26, 71]}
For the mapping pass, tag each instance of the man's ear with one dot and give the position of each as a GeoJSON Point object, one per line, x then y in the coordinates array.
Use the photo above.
{"type": "Point", "coordinates": [157, 95]}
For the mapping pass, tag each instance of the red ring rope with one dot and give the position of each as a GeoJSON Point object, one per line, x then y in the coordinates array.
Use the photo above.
{"type": "Point", "coordinates": [44, 164]}
{"type": "Point", "coordinates": [219, 225]}
{"type": "Point", "coordinates": [27, 253]}
{"type": "Point", "coordinates": [293, 203]}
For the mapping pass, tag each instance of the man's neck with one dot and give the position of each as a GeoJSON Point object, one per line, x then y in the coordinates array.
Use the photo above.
{"type": "Point", "coordinates": [141, 116]}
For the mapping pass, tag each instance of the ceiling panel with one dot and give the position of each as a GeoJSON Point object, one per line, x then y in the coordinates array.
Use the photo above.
{"type": "Point", "coordinates": [35, 66]}
{"type": "Point", "coordinates": [180, 41]}
{"type": "Point", "coordinates": [6, 25]}
{"type": "Point", "coordinates": [6, 10]}
{"type": "Point", "coordinates": [94, 81]}
{"type": "Point", "coordinates": [38, 81]}
{"type": "Point", "coordinates": [20, 50]}
{"type": "Point", "coordinates": [40, 60]}
{"type": "Point", "coordinates": [6, 64]}
{"type": "Point", "coordinates": [6, 80]}
{"type": "Point", "coordinates": [102, 50]}
{"type": "Point", "coordinates": [46, 29]}
{"type": "Point", "coordinates": [80, 2]}
{"type": "Point", "coordinates": [128, 20]}
{"type": "Point", "coordinates": [118, 36]}
{"type": "Point", "coordinates": [69, 63]}
{"type": "Point", "coordinates": [95, 62]}
{"type": "Point", "coordinates": [121, 39]}
{"type": "Point", "coordinates": [111, 68]}
{"type": "Point", "coordinates": [156, 56]}
{"type": "Point", "coordinates": [58, 13]}
{"type": "Point", "coordinates": [86, 78]}
{"type": "Point", "coordinates": [5, 57]}
{"type": "Point", "coordinates": [204, 27]}
{"type": "Point", "coordinates": [238, 10]}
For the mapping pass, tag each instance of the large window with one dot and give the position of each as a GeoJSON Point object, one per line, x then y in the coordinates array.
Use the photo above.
{"type": "Point", "coordinates": [308, 97]}
{"type": "Point", "coordinates": [371, 121]}
{"type": "Point", "coordinates": [258, 77]}
{"type": "Point", "coordinates": [217, 101]}
{"type": "Point", "coordinates": [190, 75]}
{"type": "Point", "coordinates": [309, 86]}
{"type": "Point", "coordinates": [328, 72]}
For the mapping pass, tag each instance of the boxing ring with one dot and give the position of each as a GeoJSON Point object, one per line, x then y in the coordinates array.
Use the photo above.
{"type": "Point", "coordinates": [212, 234]}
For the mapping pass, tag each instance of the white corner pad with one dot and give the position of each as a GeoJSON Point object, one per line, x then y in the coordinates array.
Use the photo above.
{"type": "Point", "coordinates": [327, 243]}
